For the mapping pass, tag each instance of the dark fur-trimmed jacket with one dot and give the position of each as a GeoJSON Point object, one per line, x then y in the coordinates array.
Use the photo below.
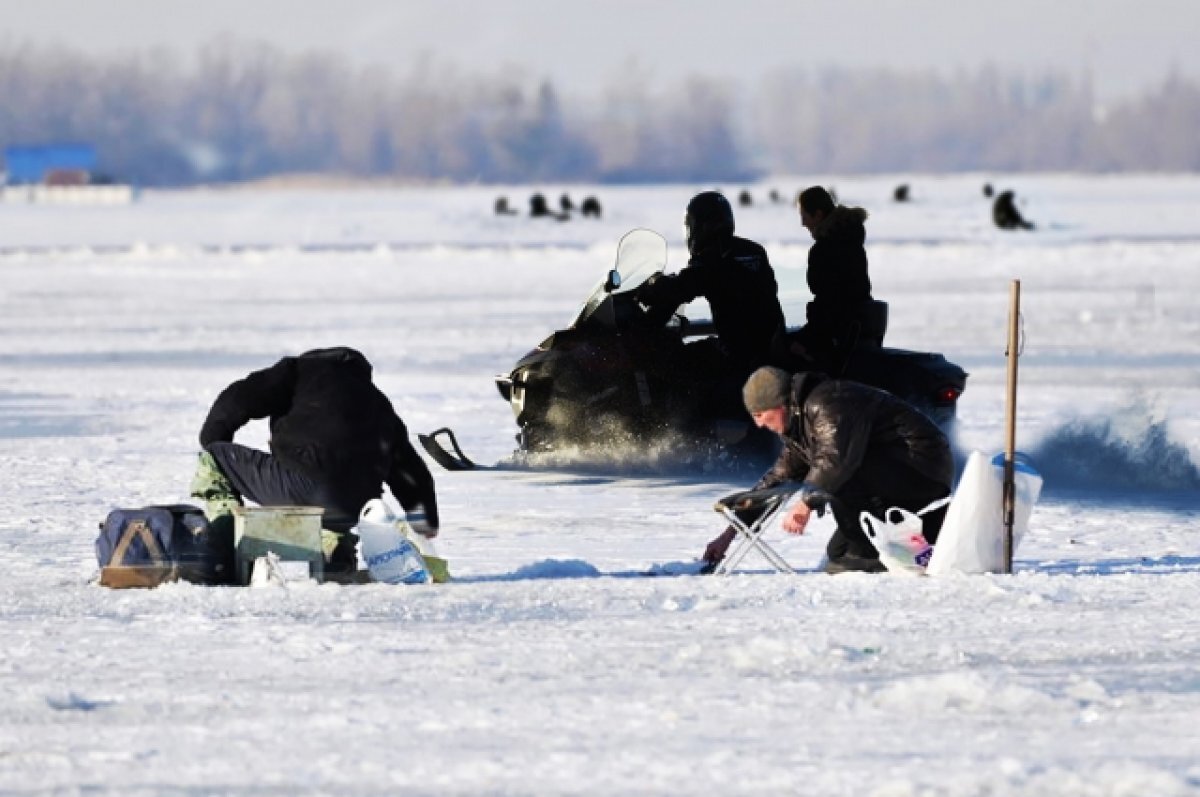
{"type": "Point", "coordinates": [329, 421]}
{"type": "Point", "coordinates": [737, 280]}
{"type": "Point", "coordinates": [837, 265]}
{"type": "Point", "coordinates": [835, 427]}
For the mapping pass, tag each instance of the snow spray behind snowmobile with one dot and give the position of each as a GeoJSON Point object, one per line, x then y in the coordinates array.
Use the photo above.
{"type": "Point", "coordinates": [613, 381]}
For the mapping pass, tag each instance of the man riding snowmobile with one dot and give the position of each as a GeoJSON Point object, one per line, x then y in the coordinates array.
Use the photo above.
{"type": "Point", "coordinates": [736, 278]}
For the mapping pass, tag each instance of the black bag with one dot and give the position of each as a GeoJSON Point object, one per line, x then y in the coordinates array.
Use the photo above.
{"type": "Point", "coordinates": [151, 545]}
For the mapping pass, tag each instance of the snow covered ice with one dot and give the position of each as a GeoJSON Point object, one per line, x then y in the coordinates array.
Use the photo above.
{"type": "Point", "coordinates": [549, 666]}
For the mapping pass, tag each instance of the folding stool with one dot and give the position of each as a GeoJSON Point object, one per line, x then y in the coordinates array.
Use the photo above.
{"type": "Point", "coordinates": [767, 503]}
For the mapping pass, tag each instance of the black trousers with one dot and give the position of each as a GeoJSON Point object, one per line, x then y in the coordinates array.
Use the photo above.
{"type": "Point", "coordinates": [266, 481]}
{"type": "Point", "coordinates": [875, 488]}
{"type": "Point", "coordinates": [716, 377]}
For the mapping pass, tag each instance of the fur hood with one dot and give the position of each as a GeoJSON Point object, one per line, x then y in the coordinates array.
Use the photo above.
{"type": "Point", "coordinates": [843, 223]}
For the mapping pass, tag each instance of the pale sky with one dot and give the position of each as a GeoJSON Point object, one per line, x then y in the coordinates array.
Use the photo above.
{"type": "Point", "coordinates": [1127, 45]}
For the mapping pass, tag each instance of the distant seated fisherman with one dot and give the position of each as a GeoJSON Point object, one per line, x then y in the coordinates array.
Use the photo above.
{"type": "Point", "coordinates": [866, 448]}
{"type": "Point", "coordinates": [335, 441]}
{"type": "Point", "coordinates": [1006, 215]}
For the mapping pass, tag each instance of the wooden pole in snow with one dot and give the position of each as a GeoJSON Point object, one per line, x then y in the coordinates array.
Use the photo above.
{"type": "Point", "coordinates": [1010, 421]}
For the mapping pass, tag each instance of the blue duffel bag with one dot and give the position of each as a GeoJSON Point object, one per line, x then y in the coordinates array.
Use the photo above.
{"type": "Point", "coordinates": [150, 545]}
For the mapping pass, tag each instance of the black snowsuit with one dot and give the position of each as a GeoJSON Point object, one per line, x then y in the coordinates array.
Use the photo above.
{"type": "Point", "coordinates": [736, 278]}
{"type": "Point", "coordinates": [1006, 215]}
{"type": "Point", "coordinates": [867, 448]}
{"type": "Point", "coordinates": [335, 439]}
{"type": "Point", "coordinates": [838, 280]}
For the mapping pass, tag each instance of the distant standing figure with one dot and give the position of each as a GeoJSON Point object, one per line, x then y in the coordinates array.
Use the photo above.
{"type": "Point", "coordinates": [502, 208]}
{"type": "Point", "coordinates": [565, 204]}
{"type": "Point", "coordinates": [901, 193]}
{"type": "Point", "coordinates": [988, 190]}
{"type": "Point", "coordinates": [590, 207]}
{"type": "Point", "coordinates": [1006, 215]}
{"type": "Point", "coordinates": [745, 200]}
{"type": "Point", "coordinates": [775, 196]}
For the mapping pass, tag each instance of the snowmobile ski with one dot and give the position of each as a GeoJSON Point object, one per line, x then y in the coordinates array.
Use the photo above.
{"type": "Point", "coordinates": [456, 461]}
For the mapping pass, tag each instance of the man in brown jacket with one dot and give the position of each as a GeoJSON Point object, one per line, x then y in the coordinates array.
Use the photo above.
{"type": "Point", "coordinates": [855, 448]}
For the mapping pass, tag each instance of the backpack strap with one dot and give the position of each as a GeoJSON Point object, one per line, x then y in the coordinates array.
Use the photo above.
{"type": "Point", "coordinates": [138, 528]}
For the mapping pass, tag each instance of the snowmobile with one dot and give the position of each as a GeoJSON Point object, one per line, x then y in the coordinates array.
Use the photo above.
{"type": "Point", "coordinates": [612, 380]}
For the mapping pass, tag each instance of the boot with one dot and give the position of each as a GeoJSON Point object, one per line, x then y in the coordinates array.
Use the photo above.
{"type": "Point", "coordinates": [851, 563]}
{"type": "Point", "coordinates": [211, 485]}
{"type": "Point", "coordinates": [341, 557]}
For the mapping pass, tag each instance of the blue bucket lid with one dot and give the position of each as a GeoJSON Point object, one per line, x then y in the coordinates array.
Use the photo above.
{"type": "Point", "coordinates": [1022, 463]}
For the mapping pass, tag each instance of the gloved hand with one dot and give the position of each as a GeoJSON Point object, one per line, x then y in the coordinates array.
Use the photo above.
{"type": "Point", "coordinates": [715, 551]}
{"type": "Point", "coordinates": [420, 522]}
{"type": "Point", "coordinates": [645, 291]}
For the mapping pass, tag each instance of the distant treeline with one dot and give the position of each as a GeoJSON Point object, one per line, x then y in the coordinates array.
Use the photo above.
{"type": "Point", "coordinates": [241, 111]}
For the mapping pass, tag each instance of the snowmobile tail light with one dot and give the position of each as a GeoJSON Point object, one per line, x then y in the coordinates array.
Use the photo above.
{"type": "Point", "coordinates": [948, 394]}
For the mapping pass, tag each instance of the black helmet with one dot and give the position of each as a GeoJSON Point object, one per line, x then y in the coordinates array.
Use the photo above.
{"type": "Point", "coordinates": [708, 221]}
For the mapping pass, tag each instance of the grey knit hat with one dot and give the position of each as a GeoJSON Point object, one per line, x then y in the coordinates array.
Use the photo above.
{"type": "Point", "coordinates": [766, 389]}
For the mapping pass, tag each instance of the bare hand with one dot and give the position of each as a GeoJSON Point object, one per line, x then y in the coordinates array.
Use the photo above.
{"type": "Point", "coordinates": [797, 519]}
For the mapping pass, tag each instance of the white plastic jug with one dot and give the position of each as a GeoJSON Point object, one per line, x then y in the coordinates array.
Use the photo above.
{"type": "Point", "coordinates": [390, 556]}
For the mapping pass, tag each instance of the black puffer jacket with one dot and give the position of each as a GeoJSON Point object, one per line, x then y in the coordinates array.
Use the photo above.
{"type": "Point", "coordinates": [329, 421]}
{"type": "Point", "coordinates": [837, 266]}
{"type": "Point", "coordinates": [836, 427]}
{"type": "Point", "coordinates": [739, 284]}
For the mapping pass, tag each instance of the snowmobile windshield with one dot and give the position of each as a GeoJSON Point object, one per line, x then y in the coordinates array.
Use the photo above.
{"type": "Point", "coordinates": [640, 254]}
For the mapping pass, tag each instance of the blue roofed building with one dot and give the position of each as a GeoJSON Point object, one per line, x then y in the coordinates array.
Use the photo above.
{"type": "Point", "coordinates": [38, 164]}
{"type": "Point", "coordinates": [62, 173]}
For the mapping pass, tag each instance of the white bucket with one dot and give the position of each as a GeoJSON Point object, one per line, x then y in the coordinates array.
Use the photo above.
{"type": "Point", "coordinates": [389, 555]}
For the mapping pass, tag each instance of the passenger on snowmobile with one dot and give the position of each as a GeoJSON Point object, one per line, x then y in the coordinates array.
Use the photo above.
{"type": "Point", "coordinates": [736, 278]}
{"type": "Point", "coordinates": [840, 313]}
{"type": "Point", "coordinates": [859, 448]}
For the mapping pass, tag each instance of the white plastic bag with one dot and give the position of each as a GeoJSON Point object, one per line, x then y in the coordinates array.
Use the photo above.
{"type": "Point", "coordinates": [900, 538]}
{"type": "Point", "coordinates": [390, 555]}
{"type": "Point", "coordinates": [972, 535]}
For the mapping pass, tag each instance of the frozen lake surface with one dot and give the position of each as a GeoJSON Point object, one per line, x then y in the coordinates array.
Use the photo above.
{"type": "Point", "coordinates": [549, 666]}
